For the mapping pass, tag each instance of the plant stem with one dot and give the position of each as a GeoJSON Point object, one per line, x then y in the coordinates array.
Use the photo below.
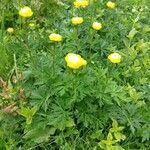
{"type": "Point", "coordinates": [53, 57]}
{"type": "Point", "coordinates": [91, 40]}
{"type": "Point", "coordinates": [77, 39]}
{"type": "Point", "coordinates": [15, 66]}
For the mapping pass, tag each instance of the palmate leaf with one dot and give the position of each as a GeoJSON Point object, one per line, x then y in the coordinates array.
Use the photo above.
{"type": "Point", "coordinates": [115, 92]}
{"type": "Point", "coordinates": [130, 115]}
{"type": "Point", "coordinates": [134, 94]}
{"type": "Point", "coordinates": [28, 113]}
{"type": "Point", "coordinates": [89, 114]}
{"type": "Point", "coordinates": [108, 143]}
{"type": "Point", "coordinates": [119, 136]}
{"type": "Point", "coordinates": [59, 118]}
{"type": "Point", "coordinates": [96, 134]}
{"type": "Point", "coordinates": [144, 132]}
{"type": "Point", "coordinates": [39, 135]}
{"type": "Point", "coordinates": [115, 127]}
{"type": "Point", "coordinates": [89, 120]}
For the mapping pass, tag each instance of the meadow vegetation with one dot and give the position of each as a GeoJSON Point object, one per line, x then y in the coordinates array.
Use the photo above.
{"type": "Point", "coordinates": [74, 75]}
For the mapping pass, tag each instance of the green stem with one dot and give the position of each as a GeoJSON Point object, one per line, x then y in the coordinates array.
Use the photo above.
{"type": "Point", "coordinates": [53, 58]}
{"type": "Point", "coordinates": [91, 40]}
{"type": "Point", "coordinates": [15, 66]}
{"type": "Point", "coordinates": [14, 70]}
{"type": "Point", "coordinates": [22, 22]}
{"type": "Point", "coordinates": [77, 38]}
{"type": "Point", "coordinates": [134, 21]}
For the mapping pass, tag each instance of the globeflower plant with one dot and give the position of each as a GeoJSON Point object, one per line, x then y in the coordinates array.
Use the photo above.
{"type": "Point", "coordinates": [55, 37]}
{"type": "Point", "coordinates": [26, 12]}
{"type": "Point", "coordinates": [81, 3]}
{"type": "Point", "coordinates": [77, 20]}
{"type": "Point", "coordinates": [115, 58]}
{"type": "Point", "coordinates": [75, 61]}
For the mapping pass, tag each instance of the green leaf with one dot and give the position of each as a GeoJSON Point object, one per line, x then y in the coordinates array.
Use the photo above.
{"type": "Point", "coordinates": [28, 113]}
{"type": "Point", "coordinates": [102, 145]}
{"type": "Point", "coordinates": [60, 118]}
{"type": "Point", "coordinates": [117, 148]}
{"type": "Point", "coordinates": [114, 123]}
{"type": "Point", "coordinates": [134, 94]}
{"type": "Point", "coordinates": [132, 33]}
{"type": "Point", "coordinates": [119, 136]}
{"type": "Point", "coordinates": [115, 127]}
{"type": "Point", "coordinates": [109, 137]}
{"type": "Point", "coordinates": [39, 135]}
{"type": "Point", "coordinates": [96, 134]}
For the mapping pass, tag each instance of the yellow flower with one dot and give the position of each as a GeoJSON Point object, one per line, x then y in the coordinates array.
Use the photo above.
{"type": "Point", "coordinates": [25, 12]}
{"type": "Point", "coordinates": [75, 61]}
{"type": "Point", "coordinates": [111, 4]}
{"type": "Point", "coordinates": [97, 25]}
{"type": "Point", "coordinates": [77, 20]}
{"type": "Point", "coordinates": [81, 3]}
{"type": "Point", "coordinates": [55, 37]}
{"type": "Point", "coordinates": [31, 24]}
{"type": "Point", "coordinates": [115, 58]}
{"type": "Point", "coordinates": [10, 30]}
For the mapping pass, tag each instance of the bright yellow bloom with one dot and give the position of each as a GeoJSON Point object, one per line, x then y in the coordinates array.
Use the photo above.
{"type": "Point", "coordinates": [81, 3]}
{"type": "Point", "coordinates": [55, 37]}
{"type": "Point", "coordinates": [25, 12]}
{"type": "Point", "coordinates": [97, 26]}
{"type": "Point", "coordinates": [32, 24]}
{"type": "Point", "coordinates": [77, 20]}
{"type": "Point", "coordinates": [115, 58]}
{"type": "Point", "coordinates": [10, 30]}
{"type": "Point", "coordinates": [75, 61]}
{"type": "Point", "coordinates": [111, 4]}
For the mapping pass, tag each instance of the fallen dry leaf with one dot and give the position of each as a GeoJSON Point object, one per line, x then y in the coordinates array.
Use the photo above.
{"type": "Point", "coordinates": [10, 109]}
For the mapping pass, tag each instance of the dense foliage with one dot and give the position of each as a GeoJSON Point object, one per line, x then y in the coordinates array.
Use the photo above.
{"type": "Point", "coordinates": [46, 104]}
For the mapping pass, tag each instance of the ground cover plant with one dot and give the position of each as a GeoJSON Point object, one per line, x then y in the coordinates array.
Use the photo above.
{"type": "Point", "coordinates": [74, 75]}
